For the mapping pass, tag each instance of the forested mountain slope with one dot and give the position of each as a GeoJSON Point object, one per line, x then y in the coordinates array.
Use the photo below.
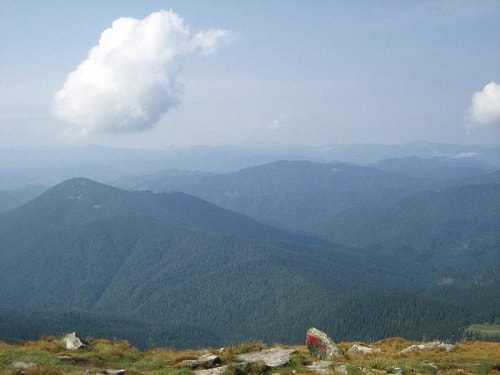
{"type": "Point", "coordinates": [172, 262]}
{"type": "Point", "coordinates": [355, 204]}
{"type": "Point", "coordinates": [443, 212]}
{"type": "Point", "coordinates": [293, 194]}
{"type": "Point", "coordinates": [456, 226]}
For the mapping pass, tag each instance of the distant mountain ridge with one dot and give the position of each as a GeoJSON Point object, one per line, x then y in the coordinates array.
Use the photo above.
{"type": "Point", "coordinates": [55, 164]}
{"type": "Point", "coordinates": [443, 211]}
{"type": "Point", "coordinates": [309, 196]}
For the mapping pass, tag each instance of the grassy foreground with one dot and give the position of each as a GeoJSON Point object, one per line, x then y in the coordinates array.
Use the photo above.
{"type": "Point", "coordinates": [48, 356]}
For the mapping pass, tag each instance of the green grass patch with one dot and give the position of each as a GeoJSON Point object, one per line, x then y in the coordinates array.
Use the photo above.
{"type": "Point", "coordinates": [21, 355]}
{"type": "Point", "coordinates": [485, 329]}
{"type": "Point", "coordinates": [246, 347]}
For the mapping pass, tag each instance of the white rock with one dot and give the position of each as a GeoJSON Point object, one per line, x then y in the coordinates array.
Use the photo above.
{"type": "Point", "coordinates": [212, 371]}
{"type": "Point", "coordinates": [341, 369]}
{"type": "Point", "coordinates": [356, 349]}
{"type": "Point", "coordinates": [321, 367]}
{"type": "Point", "coordinates": [428, 346]}
{"type": "Point", "coordinates": [23, 365]}
{"type": "Point", "coordinates": [274, 357]}
{"type": "Point", "coordinates": [73, 342]}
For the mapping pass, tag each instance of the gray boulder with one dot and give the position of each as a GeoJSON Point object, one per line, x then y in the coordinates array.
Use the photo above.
{"type": "Point", "coordinates": [18, 365]}
{"type": "Point", "coordinates": [318, 343]}
{"type": "Point", "coordinates": [204, 361]}
{"type": "Point", "coordinates": [360, 349]}
{"type": "Point", "coordinates": [212, 371]}
{"type": "Point", "coordinates": [341, 369]}
{"type": "Point", "coordinates": [73, 342]}
{"type": "Point", "coordinates": [428, 346]}
{"type": "Point", "coordinates": [274, 357]}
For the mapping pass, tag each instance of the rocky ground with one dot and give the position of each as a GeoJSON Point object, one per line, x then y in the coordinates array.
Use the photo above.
{"type": "Point", "coordinates": [50, 356]}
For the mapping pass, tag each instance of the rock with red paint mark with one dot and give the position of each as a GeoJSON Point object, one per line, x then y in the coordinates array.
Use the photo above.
{"type": "Point", "coordinates": [319, 344]}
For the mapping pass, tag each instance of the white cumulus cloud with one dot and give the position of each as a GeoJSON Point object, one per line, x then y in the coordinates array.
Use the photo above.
{"type": "Point", "coordinates": [485, 109]}
{"type": "Point", "coordinates": [130, 78]}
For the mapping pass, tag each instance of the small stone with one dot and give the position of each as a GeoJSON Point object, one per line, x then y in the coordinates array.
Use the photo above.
{"type": "Point", "coordinates": [341, 369]}
{"type": "Point", "coordinates": [212, 371]}
{"type": "Point", "coordinates": [115, 372]}
{"type": "Point", "coordinates": [433, 365]}
{"type": "Point", "coordinates": [321, 367]}
{"type": "Point", "coordinates": [205, 361]}
{"type": "Point", "coordinates": [23, 365]}
{"type": "Point", "coordinates": [357, 349]}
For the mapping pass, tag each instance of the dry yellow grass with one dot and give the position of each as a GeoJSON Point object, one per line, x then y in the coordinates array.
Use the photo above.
{"type": "Point", "coordinates": [52, 358]}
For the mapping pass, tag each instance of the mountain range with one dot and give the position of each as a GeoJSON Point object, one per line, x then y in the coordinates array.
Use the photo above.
{"type": "Point", "coordinates": [181, 258]}
{"type": "Point", "coordinates": [26, 167]}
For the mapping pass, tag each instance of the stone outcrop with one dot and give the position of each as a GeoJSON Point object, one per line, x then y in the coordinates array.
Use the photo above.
{"type": "Point", "coordinates": [274, 357]}
{"type": "Point", "coordinates": [271, 358]}
{"type": "Point", "coordinates": [341, 369]}
{"type": "Point", "coordinates": [428, 346]}
{"type": "Point", "coordinates": [73, 342]}
{"type": "Point", "coordinates": [204, 361]}
{"type": "Point", "coordinates": [318, 343]}
{"type": "Point", "coordinates": [321, 367]}
{"type": "Point", "coordinates": [18, 365]}
{"type": "Point", "coordinates": [212, 371]}
{"type": "Point", "coordinates": [361, 349]}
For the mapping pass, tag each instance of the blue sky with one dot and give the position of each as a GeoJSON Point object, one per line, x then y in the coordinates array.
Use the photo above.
{"type": "Point", "coordinates": [311, 72]}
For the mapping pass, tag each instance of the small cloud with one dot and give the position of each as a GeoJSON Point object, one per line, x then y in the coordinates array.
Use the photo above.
{"type": "Point", "coordinates": [485, 108]}
{"type": "Point", "coordinates": [277, 123]}
{"type": "Point", "coordinates": [129, 80]}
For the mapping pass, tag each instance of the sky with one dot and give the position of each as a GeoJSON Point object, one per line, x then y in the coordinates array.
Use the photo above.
{"type": "Point", "coordinates": [172, 74]}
